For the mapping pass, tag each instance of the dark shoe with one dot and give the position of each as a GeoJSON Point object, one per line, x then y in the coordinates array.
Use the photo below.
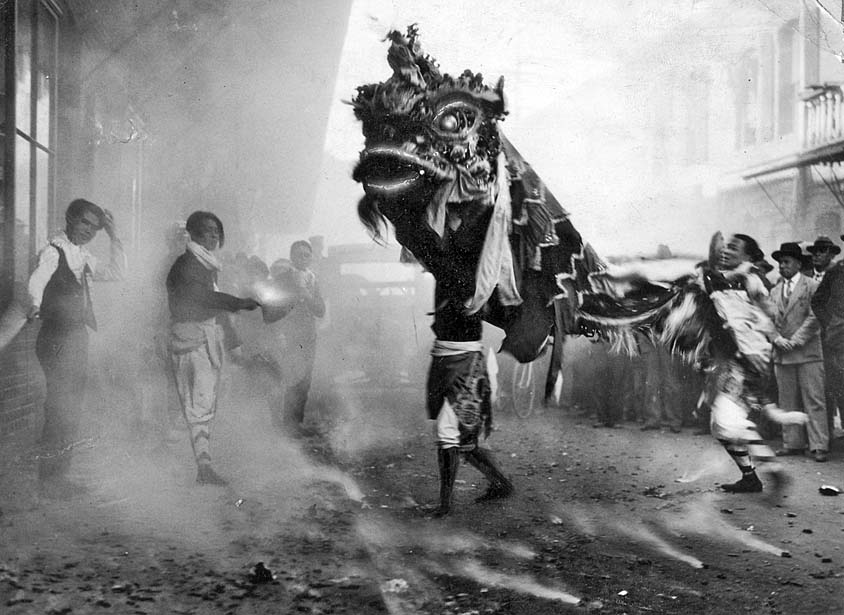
{"type": "Point", "coordinates": [496, 492]}
{"type": "Point", "coordinates": [649, 427]}
{"type": "Point", "coordinates": [749, 483]}
{"type": "Point", "coordinates": [820, 456]}
{"type": "Point", "coordinates": [207, 476]}
{"type": "Point", "coordinates": [674, 429]}
{"type": "Point", "coordinates": [788, 452]}
{"type": "Point", "coordinates": [440, 511]}
{"type": "Point", "coordinates": [499, 485]}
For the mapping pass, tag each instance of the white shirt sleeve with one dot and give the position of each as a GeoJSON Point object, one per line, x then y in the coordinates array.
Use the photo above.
{"type": "Point", "coordinates": [115, 268]}
{"type": "Point", "coordinates": [48, 262]}
{"type": "Point", "coordinates": [755, 288]}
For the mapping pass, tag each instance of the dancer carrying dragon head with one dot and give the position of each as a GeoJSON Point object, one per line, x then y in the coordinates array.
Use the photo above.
{"type": "Point", "coordinates": [464, 203]}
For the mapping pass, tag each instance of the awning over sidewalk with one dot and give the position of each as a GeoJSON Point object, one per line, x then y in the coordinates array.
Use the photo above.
{"type": "Point", "coordinates": [826, 154]}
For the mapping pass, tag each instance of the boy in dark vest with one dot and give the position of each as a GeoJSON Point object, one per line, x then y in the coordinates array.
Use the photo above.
{"type": "Point", "coordinates": [59, 291]}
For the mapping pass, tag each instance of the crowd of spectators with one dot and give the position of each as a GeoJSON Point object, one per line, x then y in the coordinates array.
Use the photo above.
{"type": "Point", "coordinates": [657, 390]}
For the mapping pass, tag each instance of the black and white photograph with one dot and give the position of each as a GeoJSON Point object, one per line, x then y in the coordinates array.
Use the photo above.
{"type": "Point", "coordinates": [421, 307]}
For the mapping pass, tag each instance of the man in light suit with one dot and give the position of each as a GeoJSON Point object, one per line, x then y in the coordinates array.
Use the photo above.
{"type": "Point", "coordinates": [798, 360]}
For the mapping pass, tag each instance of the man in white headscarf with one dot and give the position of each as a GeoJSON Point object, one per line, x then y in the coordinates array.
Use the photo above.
{"type": "Point", "coordinates": [196, 340]}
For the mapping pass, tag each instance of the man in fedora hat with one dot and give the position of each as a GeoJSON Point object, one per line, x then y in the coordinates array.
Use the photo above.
{"type": "Point", "coordinates": [828, 306]}
{"type": "Point", "coordinates": [798, 361]}
{"type": "Point", "coordinates": [822, 251]}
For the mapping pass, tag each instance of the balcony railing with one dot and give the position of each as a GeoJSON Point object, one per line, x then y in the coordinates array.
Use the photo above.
{"type": "Point", "coordinates": [821, 113]}
{"type": "Point", "coordinates": [823, 116]}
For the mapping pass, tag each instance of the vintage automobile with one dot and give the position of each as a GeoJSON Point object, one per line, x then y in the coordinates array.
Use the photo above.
{"type": "Point", "coordinates": [377, 327]}
{"type": "Point", "coordinates": [378, 316]}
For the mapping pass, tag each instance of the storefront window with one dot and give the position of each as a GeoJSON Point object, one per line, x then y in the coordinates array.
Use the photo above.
{"type": "Point", "coordinates": [7, 134]}
{"type": "Point", "coordinates": [36, 48]}
{"type": "Point", "coordinates": [4, 131]}
{"type": "Point", "coordinates": [22, 196]}
{"type": "Point", "coordinates": [42, 195]}
{"type": "Point", "coordinates": [45, 75]}
{"type": "Point", "coordinates": [23, 65]}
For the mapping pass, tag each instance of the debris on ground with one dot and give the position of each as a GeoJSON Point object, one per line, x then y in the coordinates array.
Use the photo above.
{"type": "Point", "coordinates": [394, 586]}
{"type": "Point", "coordinates": [261, 574]}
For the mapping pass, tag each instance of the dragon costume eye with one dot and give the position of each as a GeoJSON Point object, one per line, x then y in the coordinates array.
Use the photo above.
{"type": "Point", "coordinates": [455, 118]}
{"type": "Point", "coordinates": [448, 123]}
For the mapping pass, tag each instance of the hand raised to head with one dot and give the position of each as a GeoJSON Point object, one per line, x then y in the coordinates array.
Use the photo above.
{"type": "Point", "coordinates": [108, 224]}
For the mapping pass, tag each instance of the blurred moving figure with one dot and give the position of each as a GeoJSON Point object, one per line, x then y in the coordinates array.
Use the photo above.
{"type": "Point", "coordinates": [196, 336]}
{"type": "Point", "coordinates": [60, 296]}
{"type": "Point", "coordinates": [299, 330]}
{"type": "Point", "coordinates": [742, 360]}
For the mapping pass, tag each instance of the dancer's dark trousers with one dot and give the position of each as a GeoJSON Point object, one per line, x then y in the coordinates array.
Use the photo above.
{"type": "Point", "coordinates": [63, 355]}
{"type": "Point", "coordinates": [834, 390]}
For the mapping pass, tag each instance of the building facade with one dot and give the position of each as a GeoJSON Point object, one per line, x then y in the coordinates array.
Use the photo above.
{"type": "Point", "coordinates": [152, 110]}
{"type": "Point", "coordinates": [748, 127]}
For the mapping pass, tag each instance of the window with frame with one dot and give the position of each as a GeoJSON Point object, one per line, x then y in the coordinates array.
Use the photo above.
{"type": "Point", "coordinates": [36, 59]}
{"type": "Point", "coordinates": [788, 62]}
{"type": "Point", "coordinates": [746, 91]}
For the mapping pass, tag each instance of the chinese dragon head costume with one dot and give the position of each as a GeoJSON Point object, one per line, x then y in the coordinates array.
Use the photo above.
{"type": "Point", "coordinates": [466, 205]}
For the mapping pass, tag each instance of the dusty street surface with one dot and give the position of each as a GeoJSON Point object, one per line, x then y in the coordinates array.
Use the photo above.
{"type": "Point", "coordinates": [600, 523]}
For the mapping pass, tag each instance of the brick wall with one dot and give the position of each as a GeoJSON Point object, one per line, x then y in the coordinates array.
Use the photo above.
{"type": "Point", "coordinates": [21, 384]}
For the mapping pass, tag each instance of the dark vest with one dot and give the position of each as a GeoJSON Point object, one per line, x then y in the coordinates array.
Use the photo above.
{"type": "Point", "coordinates": [67, 301]}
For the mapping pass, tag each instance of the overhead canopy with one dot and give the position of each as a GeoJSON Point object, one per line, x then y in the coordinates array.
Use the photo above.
{"type": "Point", "coordinates": [826, 154]}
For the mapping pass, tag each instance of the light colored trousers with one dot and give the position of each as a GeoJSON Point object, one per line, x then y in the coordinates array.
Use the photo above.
{"type": "Point", "coordinates": [801, 387]}
{"type": "Point", "coordinates": [447, 427]}
{"type": "Point", "coordinates": [198, 382]}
